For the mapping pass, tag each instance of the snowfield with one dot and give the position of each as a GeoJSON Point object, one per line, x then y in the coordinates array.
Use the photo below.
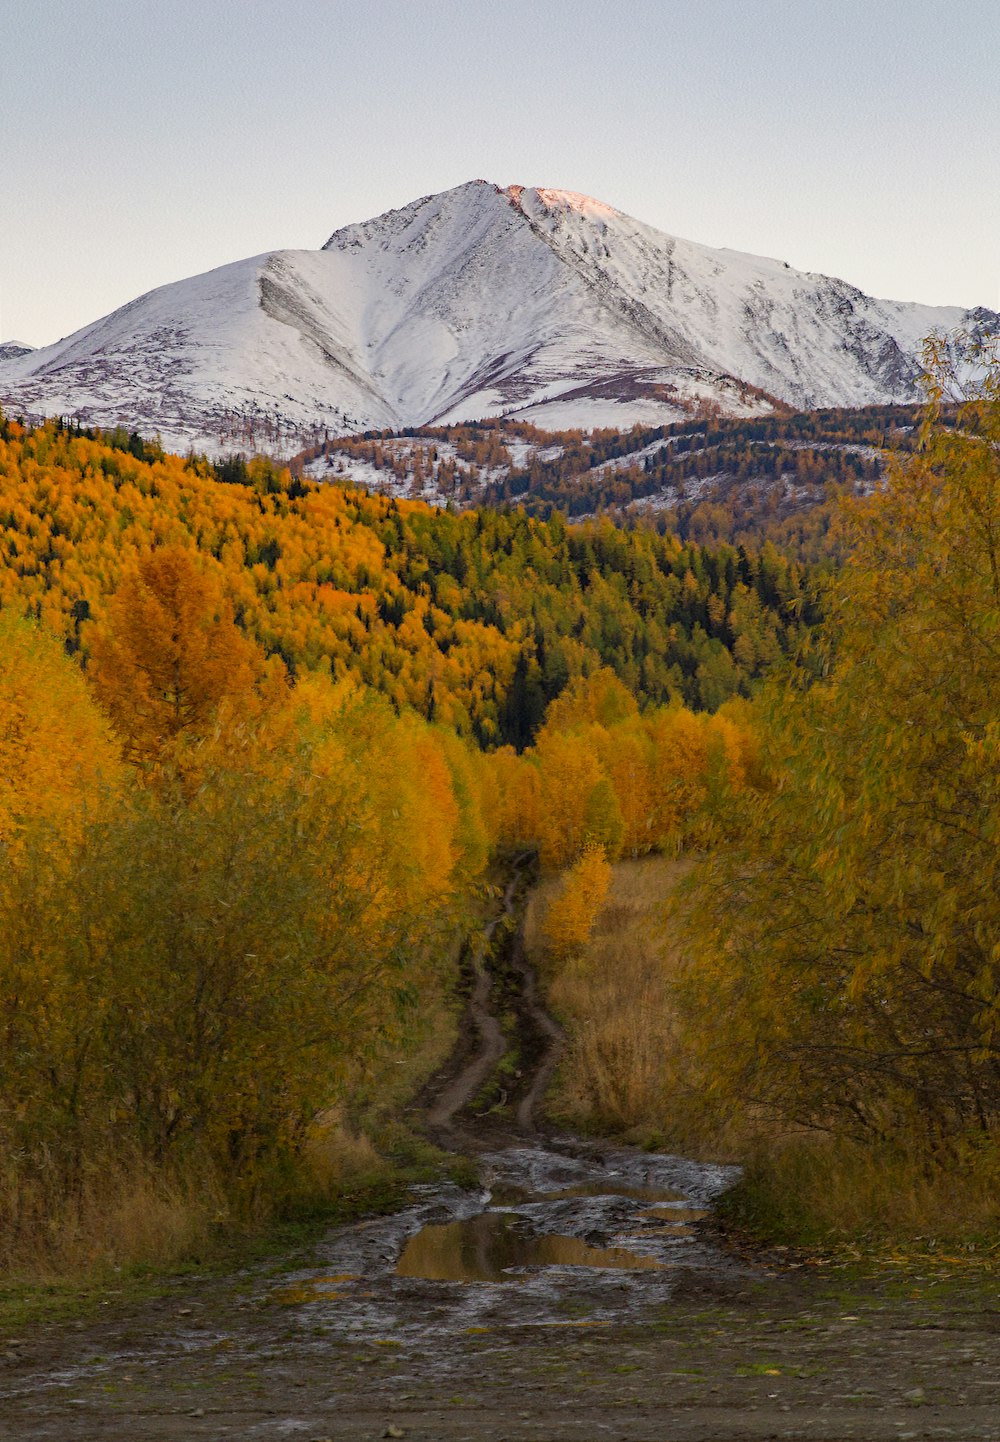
{"type": "Point", "coordinates": [541, 305]}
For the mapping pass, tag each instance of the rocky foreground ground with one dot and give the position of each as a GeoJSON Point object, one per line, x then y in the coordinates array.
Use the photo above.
{"type": "Point", "coordinates": [800, 1352]}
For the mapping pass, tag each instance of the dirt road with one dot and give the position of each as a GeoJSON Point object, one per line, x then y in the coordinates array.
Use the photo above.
{"type": "Point", "coordinates": [580, 1291]}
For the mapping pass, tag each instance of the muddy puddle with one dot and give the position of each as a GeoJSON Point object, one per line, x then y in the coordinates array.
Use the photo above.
{"type": "Point", "coordinates": [551, 1239]}
{"type": "Point", "coordinates": [499, 1247]}
{"type": "Point", "coordinates": [554, 1236]}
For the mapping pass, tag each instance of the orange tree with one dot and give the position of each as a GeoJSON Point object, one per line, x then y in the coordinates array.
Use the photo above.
{"type": "Point", "coordinates": [167, 655]}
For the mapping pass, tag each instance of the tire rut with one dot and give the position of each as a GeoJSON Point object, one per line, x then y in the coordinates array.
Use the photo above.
{"type": "Point", "coordinates": [464, 1080]}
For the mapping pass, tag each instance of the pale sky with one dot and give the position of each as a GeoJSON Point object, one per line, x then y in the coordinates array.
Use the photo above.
{"type": "Point", "coordinates": [147, 140]}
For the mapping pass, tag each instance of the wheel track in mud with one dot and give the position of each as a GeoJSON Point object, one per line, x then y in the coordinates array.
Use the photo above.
{"type": "Point", "coordinates": [465, 1079]}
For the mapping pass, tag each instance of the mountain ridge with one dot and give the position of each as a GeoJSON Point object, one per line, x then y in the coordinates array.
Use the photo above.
{"type": "Point", "coordinates": [533, 303]}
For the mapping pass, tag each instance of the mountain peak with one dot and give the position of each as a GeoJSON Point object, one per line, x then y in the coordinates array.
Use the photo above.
{"type": "Point", "coordinates": [12, 349]}
{"type": "Point", "coordinates": [529, 198]}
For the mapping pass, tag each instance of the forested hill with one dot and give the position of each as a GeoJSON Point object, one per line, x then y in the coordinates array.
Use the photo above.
{"type": "Point", "coordinates": [708, 479]}
{"type": "Point", "coordinates": [475, 619]}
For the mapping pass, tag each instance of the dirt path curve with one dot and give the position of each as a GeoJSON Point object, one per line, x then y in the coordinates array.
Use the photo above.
{"type": "Point", "coordinates": [548, 1028]}
{"type": "Point", "coordinates": [465, 1076]}
{"type": "Point", "coordinates": [472, 1076]}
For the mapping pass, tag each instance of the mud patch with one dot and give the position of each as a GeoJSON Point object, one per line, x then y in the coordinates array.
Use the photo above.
{"type": "Point", "coordinates": [499, 1247]}
{"type": "Point", "coordinates": [605, 1188]}
{"type": "Point", "coordinates": [555, 1232]}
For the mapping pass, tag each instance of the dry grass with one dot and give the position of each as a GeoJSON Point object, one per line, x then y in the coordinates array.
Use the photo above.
{"type": "Point", "coordinates": [127, 1215]}
{"type": "Point", "coordinates": [615, 999]}
{"type": "Point", "coordinates": [809, 1189]}
{"type": "Point", "coordinates": [628, 1069]}
{"type": "Point", "coordinates": [121, 1213]}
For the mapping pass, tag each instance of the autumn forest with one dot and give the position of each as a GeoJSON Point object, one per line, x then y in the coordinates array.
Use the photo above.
{"type": "Point", "coordinates": [268, 746]}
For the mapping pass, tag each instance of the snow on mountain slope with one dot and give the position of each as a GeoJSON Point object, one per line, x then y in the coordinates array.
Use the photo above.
{"type": "Point", "coordinates": [246, 355]}
{"type": "Point", "coordinates": [540, 304]}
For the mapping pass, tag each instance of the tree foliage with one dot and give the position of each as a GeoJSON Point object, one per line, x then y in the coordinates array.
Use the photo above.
{"type": "Point", "coordinates": [167, 655]}
{"type": "Point", "coordinates": [600, 773]}
{"type": "Point", "coordinates": [478, 621]}
{"type": "Point", "coordinates": [571, 916]}
{"type": "Point", "coordinates": [851, 940]}
{"type": "Point", "coordinates": [191, 971]}
{"type": "Point", "coordinates": [56, 751]}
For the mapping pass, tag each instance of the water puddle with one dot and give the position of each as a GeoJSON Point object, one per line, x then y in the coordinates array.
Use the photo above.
{"type": "Point", "coordinates": [491, 1246]}
{"type": "Point", "coordinates": [507, 1194]}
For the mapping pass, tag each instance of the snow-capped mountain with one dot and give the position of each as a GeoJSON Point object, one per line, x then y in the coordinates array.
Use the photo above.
{"type": "Point", "coordinates": [539, 304]}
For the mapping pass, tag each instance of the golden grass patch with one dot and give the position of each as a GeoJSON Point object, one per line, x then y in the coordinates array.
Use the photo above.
{"type": "Point", "coordinates": [615, 998]}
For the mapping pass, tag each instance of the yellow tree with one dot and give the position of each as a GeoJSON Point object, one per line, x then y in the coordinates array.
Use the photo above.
{"type": "Point", "coordinates": [599, 698]}
{"type": "Point", "coordinates": [510, 798]}
{"type": "Point", "coordinates": [571, 916]}
{"type": "Point", "coordinates": [577, 804]}
{"type": "Point", "coordinates": [60, 773]}
{"type": "Point", "coordinates": [55, 747]}
{"type": "Point", "coordinates": [626, 756]}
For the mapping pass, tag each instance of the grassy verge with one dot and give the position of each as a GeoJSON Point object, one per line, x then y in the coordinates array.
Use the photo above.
{"type": "Point", "coordinates": [627, 1070]}
{"type": "Point", "coordinates": [831, 1193]}
{"type": "Point", "coordinates": [366, 1181]}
